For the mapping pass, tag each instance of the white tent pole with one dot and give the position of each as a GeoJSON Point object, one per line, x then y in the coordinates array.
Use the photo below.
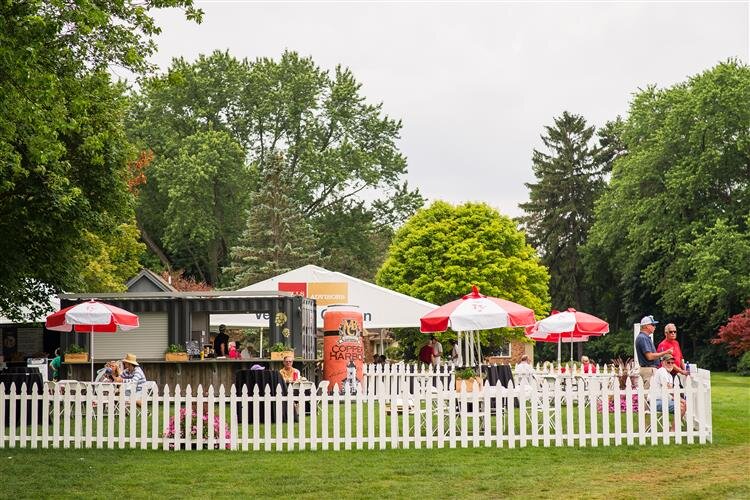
{"type": "Point", "coordinates": [559, 350]}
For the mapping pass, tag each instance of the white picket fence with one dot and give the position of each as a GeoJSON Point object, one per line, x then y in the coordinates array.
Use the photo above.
{"type": "Point", "coordinates": [425, 413]}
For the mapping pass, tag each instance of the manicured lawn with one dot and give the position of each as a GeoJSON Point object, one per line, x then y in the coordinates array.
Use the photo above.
{"type": "Point", "coordinates": [718, 470]}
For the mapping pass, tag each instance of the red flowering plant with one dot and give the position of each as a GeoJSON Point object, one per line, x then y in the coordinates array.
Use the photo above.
{"type": "Point", "coordinates": [218, 428]}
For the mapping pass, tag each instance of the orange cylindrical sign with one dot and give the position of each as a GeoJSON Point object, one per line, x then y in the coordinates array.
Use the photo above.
{"type": "Point", "coordinates": [343, 351]}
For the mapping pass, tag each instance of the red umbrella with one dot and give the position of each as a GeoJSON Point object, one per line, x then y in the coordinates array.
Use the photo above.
{"type": "Point", "coordinates": [476, 312]}
{"type": "Point", "coordinates": [93, 317]}
{"type": "Point", "coordinates": [571, 326]}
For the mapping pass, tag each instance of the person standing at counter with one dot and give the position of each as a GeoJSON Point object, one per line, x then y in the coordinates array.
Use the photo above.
{"type": "Point", "coordinates": [288, 372]}
{"type": "Point", "coordinates": [54, 365]}
{"type": "Point", "coordinates": [221, 342]}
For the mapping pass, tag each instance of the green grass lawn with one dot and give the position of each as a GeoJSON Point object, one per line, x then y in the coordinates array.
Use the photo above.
{"type": "Point", "coordinates": [717, 470]}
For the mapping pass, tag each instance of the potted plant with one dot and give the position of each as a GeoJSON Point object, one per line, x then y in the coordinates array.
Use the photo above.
{"type": "Point", "coordinates": [175, 352]}
{"type": "Point", "coordinates": [76, 354]}
{"type": "Point", "coordinates": [279, 351]}
{"type": "Point", "coordinates": [466, 380]}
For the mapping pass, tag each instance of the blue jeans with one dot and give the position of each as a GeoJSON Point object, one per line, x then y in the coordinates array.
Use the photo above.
{"type": "Point", "coordinates": [671, 405]}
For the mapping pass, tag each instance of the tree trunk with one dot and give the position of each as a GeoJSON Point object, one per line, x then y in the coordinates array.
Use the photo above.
{"type": "Point", "coordinates": [151, 244]}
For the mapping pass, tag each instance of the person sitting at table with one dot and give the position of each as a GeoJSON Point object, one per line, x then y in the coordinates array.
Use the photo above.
{"type": "Point", "coordinates": [524, 371]}
{"type": "Point", "coordinates": [108, 373]}
{"type": "Point", "coordinates": [587, 366]}
{"type": "Point", "coordinates": [663, 378]}
{"type": "Point", "coordinates": [132, 373]}
{"type": "Point", "coordinates": [288, 372]}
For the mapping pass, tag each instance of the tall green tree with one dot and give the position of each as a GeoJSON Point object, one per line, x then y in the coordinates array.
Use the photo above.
{"type": "Point", "coordinates": [673, 225]}
{"type": "Point", "coordinates": [206, 200]}
{"type": "Point", "coordinates": [440, 252]}
{"type": "Point", "coordinates": [277, 238]}
{"type": "Point", "coordinates": [63, 151]}
{"type": "Point", "coordinates": [337, 147]}
{"type": "Point", "coordinates": [560, 209]}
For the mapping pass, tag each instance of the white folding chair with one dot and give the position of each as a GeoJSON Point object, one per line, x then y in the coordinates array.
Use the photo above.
{"type": "Point", "coordinates": [148, 389]}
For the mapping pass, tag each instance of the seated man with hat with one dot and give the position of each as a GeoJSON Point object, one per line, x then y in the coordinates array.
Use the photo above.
{"type": "Point", "coordinates": [132, 372]}
{"type": "Point", "coordinates": [663, 379]}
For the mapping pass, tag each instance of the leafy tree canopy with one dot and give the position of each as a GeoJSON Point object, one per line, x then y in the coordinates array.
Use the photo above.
{"type": "Point", "coordinates": [443, 250]}
{"type": "Point", "coordinates": [736, 334]}
{"type": "Point", "coordinates": [336, 146]}
{"type": "Point", "coordinates": [62, 147]}
{"type": "Point", "coordinates": [560, 210]}
{"type": "Point", "coordinates": [673, 225]}
{"type": "Point", "coordinates": [277, 238]}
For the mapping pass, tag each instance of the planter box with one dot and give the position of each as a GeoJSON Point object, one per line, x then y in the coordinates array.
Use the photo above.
{"type": "Point", "coordinates": [79, 357]}
{"type": "Point", "coordinates": [468, 385]}
{"type": "Point", "coordinates": [175, 356]}
{"type": "Point", "coordinates": [279, 356]}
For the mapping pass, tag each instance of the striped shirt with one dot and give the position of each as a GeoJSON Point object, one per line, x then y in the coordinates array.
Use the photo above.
{"type": "Point", "coordinates": [136, 376]}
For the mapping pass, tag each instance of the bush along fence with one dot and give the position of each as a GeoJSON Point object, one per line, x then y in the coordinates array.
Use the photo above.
{"type": "Point", "coordinates": [427, 413]}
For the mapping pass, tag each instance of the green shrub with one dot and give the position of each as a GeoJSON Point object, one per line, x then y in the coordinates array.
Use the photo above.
{"type": "Point", "coordinates": [394, 352]}
{"type": "Point", "coordinates": [743, 367]}
{"type": "Point", "coordinates": [75, 349]}
{"type": "Point", "coordinates": [279, 347]}
{"type": "Point", "coordinates": [175, 348]}
{"type": "Point", "coordinates": [465, 374]}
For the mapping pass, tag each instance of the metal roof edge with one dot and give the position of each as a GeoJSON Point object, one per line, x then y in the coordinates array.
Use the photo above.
{"type": "Point", "coordinates": [174, 295]}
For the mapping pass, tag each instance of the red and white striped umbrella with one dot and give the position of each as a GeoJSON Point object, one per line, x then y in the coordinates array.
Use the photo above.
{"type": "Point", "coordinates": [476, 312]}
{"type": "Point", "coordinates": [568, 327]}
{"type": "Point", "coordinates": [570, 323]}
{"type": "Point", "coordinates": [92, 317]}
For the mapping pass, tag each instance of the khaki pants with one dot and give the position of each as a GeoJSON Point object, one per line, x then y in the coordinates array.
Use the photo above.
{"type": "Point", "coordinates": [646, 373]}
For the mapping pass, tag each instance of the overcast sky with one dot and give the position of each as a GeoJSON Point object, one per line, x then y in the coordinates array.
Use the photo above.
{"type": "Point", "coordinates": [475, 83]}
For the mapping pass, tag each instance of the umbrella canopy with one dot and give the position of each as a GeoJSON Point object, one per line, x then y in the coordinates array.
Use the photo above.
{"type": "Point", "coordinates": [557, 338]}
{"type": "Point", "coordinates": [476, 312]}
{"type": "Point", "coordinates": [92, 317]}
{"type": "Point", "coordinates": [570, 323]}
{"type": "Point", "coordinates": [567, 326]}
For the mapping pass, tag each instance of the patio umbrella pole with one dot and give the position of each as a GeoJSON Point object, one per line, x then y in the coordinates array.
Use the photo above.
{"type": "Point", "coordinates": [91, 336]}
{"type": "Point", "coordinates": [571, 349]}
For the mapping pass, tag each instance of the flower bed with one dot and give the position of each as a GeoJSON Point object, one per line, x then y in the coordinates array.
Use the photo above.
{"type": "Point", "coordinates": [217, 428]}
{"type": "Point", "coordinates": [623, 404]}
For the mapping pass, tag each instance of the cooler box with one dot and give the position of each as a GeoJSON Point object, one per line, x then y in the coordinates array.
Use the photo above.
{"type": "Point", "coordinates": [41, 364]}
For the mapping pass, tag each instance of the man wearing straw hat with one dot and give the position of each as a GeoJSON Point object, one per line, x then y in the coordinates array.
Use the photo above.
{"type": "Point", "coordinates": [132, 373]}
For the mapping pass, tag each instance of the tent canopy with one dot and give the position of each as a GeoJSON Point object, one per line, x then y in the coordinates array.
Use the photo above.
{"type": "Point", "coordinates": [382, 308]}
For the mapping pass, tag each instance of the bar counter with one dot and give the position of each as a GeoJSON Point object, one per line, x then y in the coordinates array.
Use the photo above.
{"type": "Point", "coordinates": [193, 372]}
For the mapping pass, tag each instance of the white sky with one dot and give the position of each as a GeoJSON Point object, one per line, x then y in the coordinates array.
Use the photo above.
{"type": "Point", "coordinates": [475, 83]}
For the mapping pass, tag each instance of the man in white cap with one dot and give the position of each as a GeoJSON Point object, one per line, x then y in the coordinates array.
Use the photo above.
{"type": "Point", "coordinates": [647, 355]}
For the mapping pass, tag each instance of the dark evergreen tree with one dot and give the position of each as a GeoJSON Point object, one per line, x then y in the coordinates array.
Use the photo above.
{"type": "Point", "coordinates": [277, 237]}
{"type": "Point", "coordinates": [560, 209]}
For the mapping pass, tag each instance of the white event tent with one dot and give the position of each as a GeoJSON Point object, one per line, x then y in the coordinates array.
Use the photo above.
{"type": "Point", "coordinates": [382, 308]}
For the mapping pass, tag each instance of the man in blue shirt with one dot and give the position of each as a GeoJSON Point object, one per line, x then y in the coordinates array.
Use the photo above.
{"type": "Point", "coordinates": [648, 358]}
